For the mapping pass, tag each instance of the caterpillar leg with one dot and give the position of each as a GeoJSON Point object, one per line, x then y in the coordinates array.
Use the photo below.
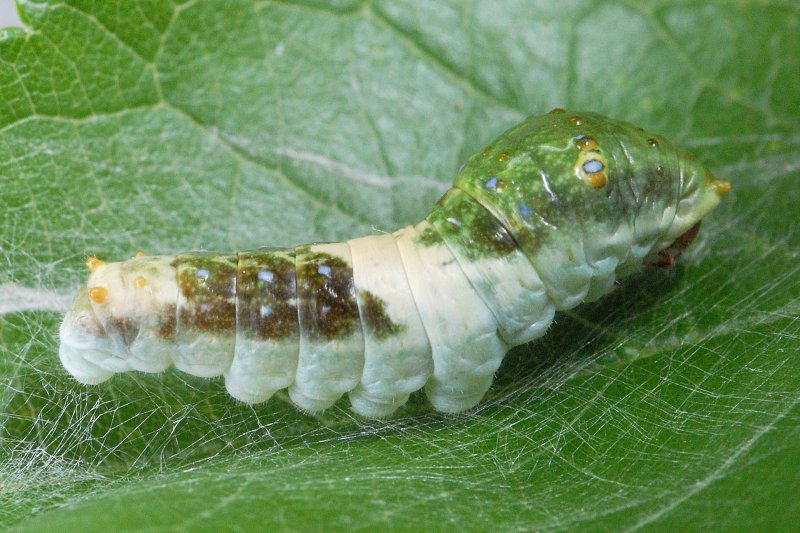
{"type": "Point", "coordinates": [79, 334]}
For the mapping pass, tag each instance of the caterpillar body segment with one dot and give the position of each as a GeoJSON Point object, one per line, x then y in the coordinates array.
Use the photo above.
{"type": "Point", "coordinates": [267, 325]}
{"type": "Point", "coordinates": [550, 214]}
{"type": "Point", "coordinates": [397, 355]}
{"type": "Point", "coordinates": [465, 346]}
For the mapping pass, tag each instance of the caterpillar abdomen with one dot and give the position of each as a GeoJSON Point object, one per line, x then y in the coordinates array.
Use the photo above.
{"type": "Point", "coordinates": [547, 216]}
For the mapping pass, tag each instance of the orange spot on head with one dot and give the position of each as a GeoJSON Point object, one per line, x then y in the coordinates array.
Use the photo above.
{"type": "Point", "coordinates": [98, 294]}
{"type": "Point", "coordinates": [140, 282]}
{"type": "Point", "coordinates": [138, 254]}
{"type": "Point", "coordinates": [502, 156]}
{"type": "Point", "coordinates": [93, 263]}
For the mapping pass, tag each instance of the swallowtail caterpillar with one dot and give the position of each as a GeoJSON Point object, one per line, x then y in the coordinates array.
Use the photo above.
{"type": "Point", "coordinates": [547, 216]}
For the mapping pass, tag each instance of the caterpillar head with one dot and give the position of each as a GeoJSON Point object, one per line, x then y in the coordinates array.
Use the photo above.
{"type": "Point", "coordinates": [588, 199]}
{"type": "Point", "coordinates": [564, 181]}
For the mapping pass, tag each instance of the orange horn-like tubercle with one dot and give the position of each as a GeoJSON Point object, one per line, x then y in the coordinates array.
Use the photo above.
{"type": "Point", "coordinates": [93, 263]}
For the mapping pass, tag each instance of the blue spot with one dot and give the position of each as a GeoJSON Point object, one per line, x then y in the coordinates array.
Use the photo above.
{"type": "Point", "coordinates": [266, 275]}
{"type": "Point", "coordinates": [491, 183]}
{"type": "Point", "coordinates": [324, 270]}
{"type": "Point", "coordinates": [201, 273]}
{"type": "Point", "coordinates": [579, 136]}
{"type": "Point", "coordinates": [592, 166]}
{"type": "Point", "coordinates": [524, 210]}
{"type": "Point", "coordinates": [265, 310]}
{"type": "Point", "coordinates": [325, 309]}
{"type": "Point", "coordinates": [205, 308]}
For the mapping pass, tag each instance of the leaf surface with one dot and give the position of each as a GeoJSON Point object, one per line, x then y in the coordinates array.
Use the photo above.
{"type": "Point", "coordinates": [167, 126]}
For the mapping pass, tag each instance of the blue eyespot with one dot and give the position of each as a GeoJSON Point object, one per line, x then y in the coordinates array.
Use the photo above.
{"type": "Point", "coordinates": [592, 166]}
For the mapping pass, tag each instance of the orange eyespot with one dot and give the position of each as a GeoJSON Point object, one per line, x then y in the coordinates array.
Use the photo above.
{"type": "Point", "coordinates": [597, 179]}
{"type": "Point", "coordinates": [140, 282]}
{"type": "Point", "coordinates": [98, 294]}
{"type": "Point", "coordinates": [93, 263]}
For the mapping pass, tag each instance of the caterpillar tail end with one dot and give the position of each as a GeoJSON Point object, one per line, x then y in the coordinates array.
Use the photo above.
{"type": "Point", "coordinates": [80, 333]}
{"type": "Point", "coordinates": [121, 320]}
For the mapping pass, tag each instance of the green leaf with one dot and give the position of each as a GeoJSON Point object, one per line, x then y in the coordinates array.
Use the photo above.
{"type": "Point", "coordinates": [167, 126]}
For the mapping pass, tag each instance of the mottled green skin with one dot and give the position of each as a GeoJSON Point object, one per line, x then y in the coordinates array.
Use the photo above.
{"type": "Point", "coordinates": [431, 237]}
{"type": "Point", "coordinates": [256, 294]}
{"type": "Point", "coordinates": [267, 294]}
{"type": "Point", "coordinates": [539, 197]}
{"type": "Point", "coordinates": [461, 220]}
{"type": "Point", "coordinates": [376, 320]}
{"type": "Point", "coordinates": [210, 300]}
{"type": "Point", "coordinates": [328, 307]}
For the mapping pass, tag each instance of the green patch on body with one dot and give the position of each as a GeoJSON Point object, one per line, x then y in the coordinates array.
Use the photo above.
{"type": "Point", "coordinates": [267, 294]}
{"type": "Point", "coordinates": [463, 222]}
{"type": "Point", "coordinates": [429, 237]}
{"type": "Point", "coordinates": [207, 283]}
{"type": "Point", "coordinates": [376, 319]}
{"type": "Point", "coordinates": [326, 296]}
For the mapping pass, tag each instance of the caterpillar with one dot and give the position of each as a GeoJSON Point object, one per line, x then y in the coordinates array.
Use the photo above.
{"type": "Point", "coordinates": [547, 216]}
